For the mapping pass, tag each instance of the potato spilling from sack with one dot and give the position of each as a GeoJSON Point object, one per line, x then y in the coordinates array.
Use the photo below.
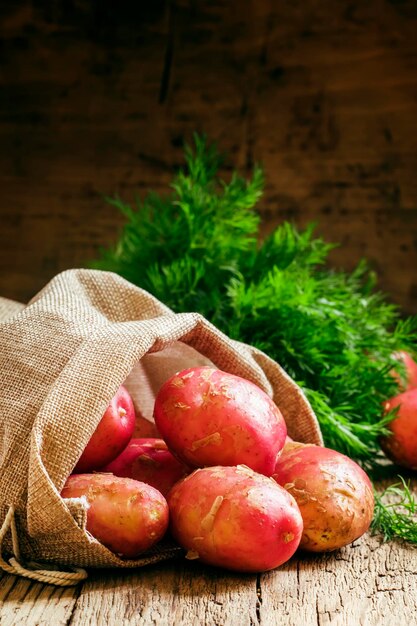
{"type": "Point", "coordinates": [149, 461]}
{"type": "Point", "coordinates": [127, 516]}
{"type": "Point", "coordinates": [111, 436]}
{"type": "Point", "coordinates": [209, 417]}
{"type": "Point", "coordinates": [333, 493]}
{"type": "Point", "coordinates": [251, 503]}
{"type": "Point", "coordinates": [235, 518]}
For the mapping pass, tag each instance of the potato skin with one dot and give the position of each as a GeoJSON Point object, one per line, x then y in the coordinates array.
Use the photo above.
{"type": "Point", "coordinates": [144, 428]}
{"type": "Point", "coordinates": [209, 417]}
{"type": "Point", "coordinates": [125, 515]}
{"type": "Point", "coordinates": [401, 445]}
{"type": "Point", "coordinates": [234, 518]}
{"type": "Point", "coordinates": [410, 366]}
{"type": "Point", "coordinates": [333, 493]}
{"type": "Point", "coordinates": [112, 434]}
{"type": "Point", "coordinates": [149, 461]}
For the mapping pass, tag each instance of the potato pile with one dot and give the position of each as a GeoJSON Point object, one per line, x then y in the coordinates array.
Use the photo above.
{"type": "Point", "coordinates": [223, 478]}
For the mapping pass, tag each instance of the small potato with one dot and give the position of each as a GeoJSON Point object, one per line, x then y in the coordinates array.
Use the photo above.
{"type": "Point", "coordinates": [334, 495]}
{"type": "Point", "coordinates": [234, 518]}
{"type": "Point", "coordinates": [410, 366]}
{"type": "Point", "coordinates": [111, 435]}
{"type": "Point", "coordinates": [144, 428]}
{"type": "Point", "coordinates": [401, 445]}
{"type": "Point", "coordinates": [209, 417]}
{"type": "Point", "coordinates": [149, 461]}
{"type": "Point", "coordinates": [125, 515]}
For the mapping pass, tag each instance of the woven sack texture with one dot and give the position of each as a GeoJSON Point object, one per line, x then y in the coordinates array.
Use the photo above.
{"type": "Point", "coordinates": [62, 358]}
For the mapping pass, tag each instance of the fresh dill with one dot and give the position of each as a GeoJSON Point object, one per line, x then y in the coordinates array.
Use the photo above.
{"type": "Point", "coordinates": [395, 513]}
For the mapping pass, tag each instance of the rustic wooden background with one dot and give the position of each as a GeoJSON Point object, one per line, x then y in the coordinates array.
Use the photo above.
{"type": "Point", "coordinates": [97, 98]}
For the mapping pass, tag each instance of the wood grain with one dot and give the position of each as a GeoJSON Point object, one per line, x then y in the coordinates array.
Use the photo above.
{"type": "Point", "coordinates": [97, 98]}
{"type": "Point", "coordinates": [24, 602]}
{"type": "Point", "coordinates": [366, 584]}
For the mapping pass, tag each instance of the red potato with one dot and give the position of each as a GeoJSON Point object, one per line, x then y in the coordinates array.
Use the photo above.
{"type": "Point", "coordinates": [209, 417]}
{"type": "Point", "coordinates": [111, 435]}
{"type": "Point", "coordinates": [401, 445]}
{"type": "Point", "coordinates": [125, 515]}
{"type": "Point", "coordinates": [234, 518]}
{"type": "Point", "coordinates": [333, 493]}
{"type": "Point", "coordinates": [149, 461]}
{"type": "Point", "coordinates": [410, 371]}
{"type": "Point", "coordinates": [144, 428]}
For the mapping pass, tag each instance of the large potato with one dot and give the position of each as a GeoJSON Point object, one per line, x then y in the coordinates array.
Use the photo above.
{"type": "Point", "coordinates": [149, 461]}
{"type": "Point", "coordinates": [334, 495]}
{"type": "Point", "coordinates": [111, 436]}
{"type": "Point", "coordinates": [234, 518]}
{"type": "Point", "coordinates": [125, 515]}
{"type": "Point", "coordinates": [401, 444]}
{"type": "Point", "coordinates": [209, 417]}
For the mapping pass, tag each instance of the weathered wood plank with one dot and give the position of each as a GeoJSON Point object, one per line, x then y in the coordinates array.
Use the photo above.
{"type": "Point", "coordinates": [366, 584]}
{"type": "Point", "coordinates": [24, 602]}
{"type": "Point", "coordinates": [172, 593]}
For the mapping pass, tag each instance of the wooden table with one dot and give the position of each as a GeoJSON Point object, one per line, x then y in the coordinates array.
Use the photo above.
{"type": "Point", "coordinates": [366, 584]}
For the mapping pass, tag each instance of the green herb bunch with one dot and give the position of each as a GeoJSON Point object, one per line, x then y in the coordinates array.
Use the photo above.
{"type": "Point", "coordinates": [198, 249]}
{"type": "Point", "coordinates": [395, 511]}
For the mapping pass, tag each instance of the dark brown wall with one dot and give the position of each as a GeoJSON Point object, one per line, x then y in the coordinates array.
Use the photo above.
{"type": "Point", "coordinates": [98, 97]}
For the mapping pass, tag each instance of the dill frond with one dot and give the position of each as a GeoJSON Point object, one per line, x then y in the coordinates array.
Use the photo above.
{"type": "Point", "coordinates": [395, 513]}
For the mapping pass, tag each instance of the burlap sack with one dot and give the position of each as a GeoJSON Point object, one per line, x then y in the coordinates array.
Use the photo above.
{"type": "Point", "coordinates": [62, 358]}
